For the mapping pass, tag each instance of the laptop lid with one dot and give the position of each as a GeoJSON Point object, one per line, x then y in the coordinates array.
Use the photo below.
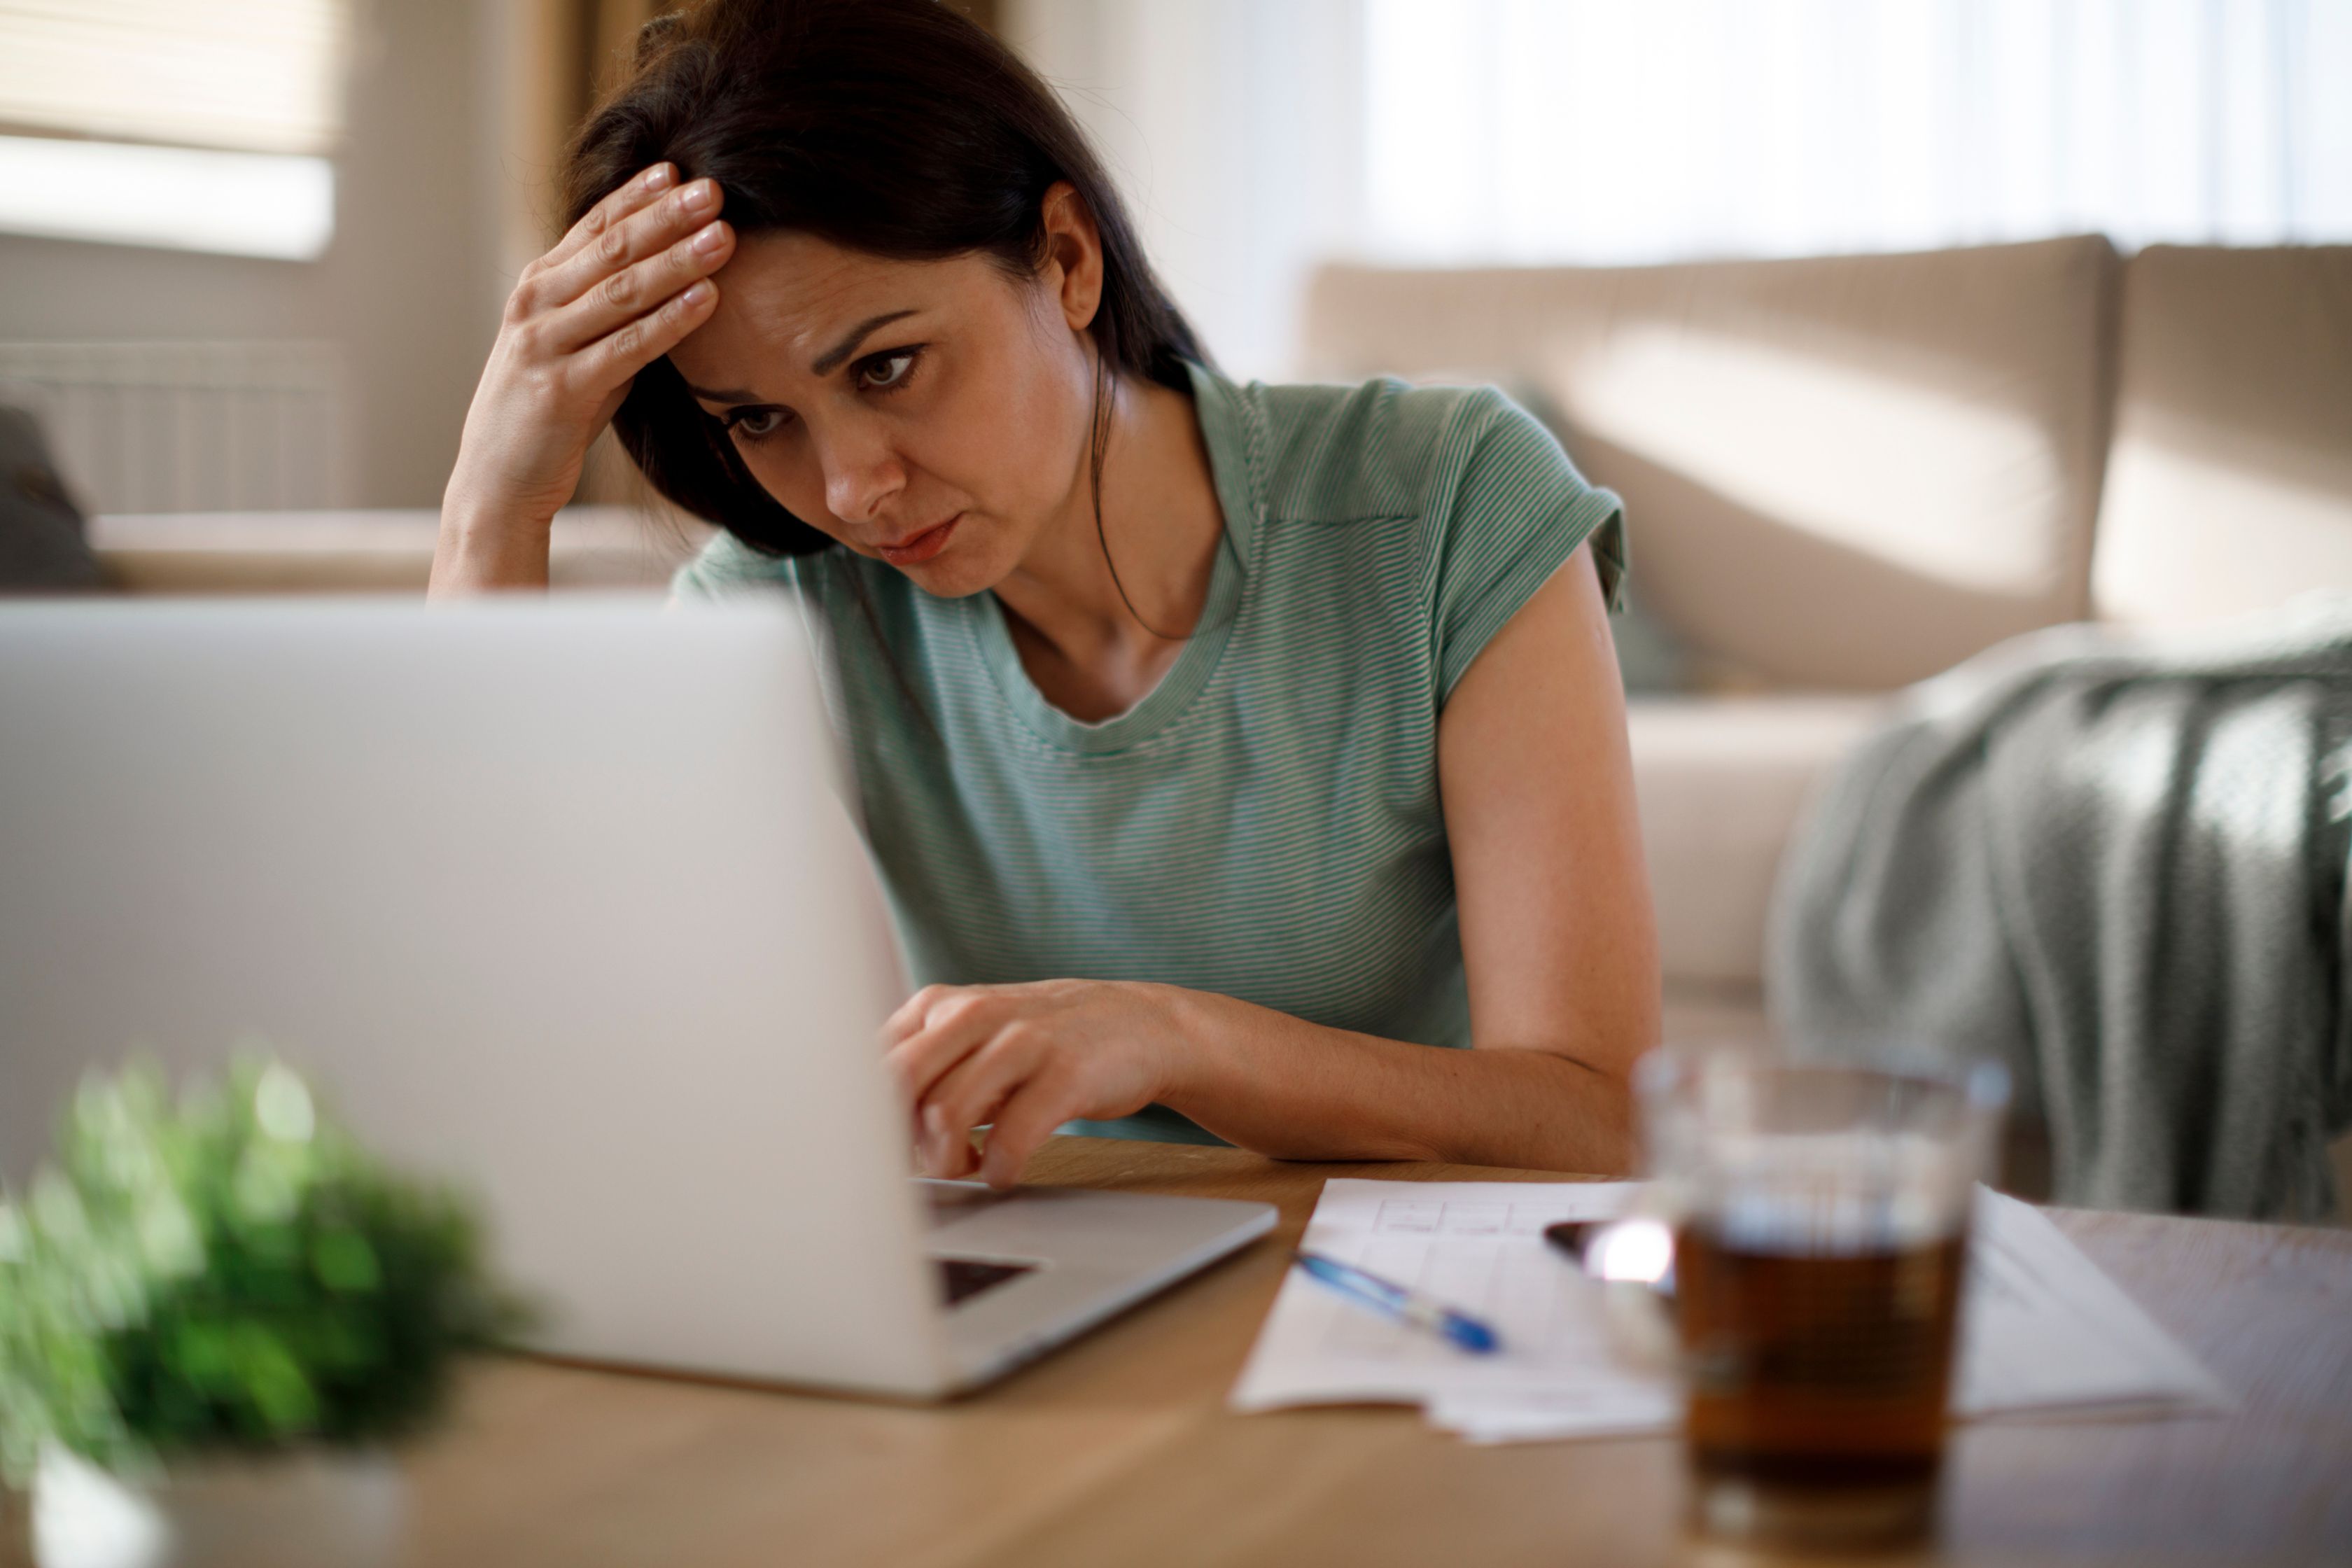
{"type": "Point", "coordinates": [555, 898]}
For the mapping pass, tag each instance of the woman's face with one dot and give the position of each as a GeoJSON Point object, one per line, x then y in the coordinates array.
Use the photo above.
{"type": "Point", "coordinates": [932, 414]}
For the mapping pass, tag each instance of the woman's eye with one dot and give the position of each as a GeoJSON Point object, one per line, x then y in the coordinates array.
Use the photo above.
{"type": "Point", "coordinates": [886, 373]}
{"type": "Point", "coordinates": [754, 423]}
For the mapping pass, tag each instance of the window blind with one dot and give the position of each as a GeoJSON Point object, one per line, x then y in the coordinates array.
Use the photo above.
{"type": "Point", "coordinates": [256, 76]}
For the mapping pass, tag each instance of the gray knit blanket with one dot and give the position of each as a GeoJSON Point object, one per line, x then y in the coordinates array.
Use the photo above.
{"type": "Point", "coordinates": [2118, 865]}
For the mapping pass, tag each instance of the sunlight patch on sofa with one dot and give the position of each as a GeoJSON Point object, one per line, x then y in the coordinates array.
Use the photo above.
{"type": "Point", "coordinates": [1929, 480]}
{"type": "Point", "coordinates": [2161, 560]}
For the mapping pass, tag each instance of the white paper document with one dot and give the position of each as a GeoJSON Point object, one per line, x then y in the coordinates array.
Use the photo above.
{"type": "Point", "coordinates": [2042, 1330]}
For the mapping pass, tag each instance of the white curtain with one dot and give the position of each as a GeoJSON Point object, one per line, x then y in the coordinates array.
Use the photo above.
{"type": "Point", "coordinates": [1632, 130]}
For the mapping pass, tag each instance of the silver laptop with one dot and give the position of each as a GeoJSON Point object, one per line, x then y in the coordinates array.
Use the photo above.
{"type": "Point", "coordinates": [557, 899]}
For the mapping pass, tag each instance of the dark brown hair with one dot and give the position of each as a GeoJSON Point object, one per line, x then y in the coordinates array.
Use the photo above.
{"type": "Point", "coordinates": [898, 127]}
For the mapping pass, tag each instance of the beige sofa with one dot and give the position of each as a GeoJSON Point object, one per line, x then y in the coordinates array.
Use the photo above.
{"type": "Point", "coordinates": [1844, 475]}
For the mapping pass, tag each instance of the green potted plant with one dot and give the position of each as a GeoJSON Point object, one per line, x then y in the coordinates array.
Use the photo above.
{"type": "Point", "coordinates": [217, 1315]}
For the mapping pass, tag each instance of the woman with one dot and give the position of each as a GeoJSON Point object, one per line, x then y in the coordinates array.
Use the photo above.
{"type": "Point", "coordinates": [1224, 748]}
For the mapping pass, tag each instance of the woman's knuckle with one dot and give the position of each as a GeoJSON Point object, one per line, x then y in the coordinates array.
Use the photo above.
{"type": "Point", "coordinates": [960, 1007]}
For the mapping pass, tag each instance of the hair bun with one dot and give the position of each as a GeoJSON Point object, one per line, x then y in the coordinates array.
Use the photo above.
{"type": "Point", "coordinates": [656, 33]}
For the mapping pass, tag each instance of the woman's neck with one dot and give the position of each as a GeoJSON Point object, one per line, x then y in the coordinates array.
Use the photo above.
{"type": "Point", "coordinates": [1080, 638]}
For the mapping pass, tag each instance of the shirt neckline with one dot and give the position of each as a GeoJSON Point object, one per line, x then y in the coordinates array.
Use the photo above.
{"type": "Point", "coordinates": [1224, 431]}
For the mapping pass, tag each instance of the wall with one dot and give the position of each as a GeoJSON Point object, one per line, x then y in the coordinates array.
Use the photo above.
{"type": "Point", "coordinates": [1233, 128]}
{"type": "Point", "coordinates": [411, 285]}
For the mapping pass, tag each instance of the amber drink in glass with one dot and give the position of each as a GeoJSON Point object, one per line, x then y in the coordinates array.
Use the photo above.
{"type": "Point", "coordinates": [1821, 1221]}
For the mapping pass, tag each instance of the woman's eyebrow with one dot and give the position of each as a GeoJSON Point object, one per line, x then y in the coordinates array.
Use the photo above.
{"type": "Point", "coordinates": [827, 362]}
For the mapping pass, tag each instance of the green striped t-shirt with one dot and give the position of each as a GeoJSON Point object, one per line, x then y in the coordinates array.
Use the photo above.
{"type": "Point", "coordinates": [1264, 823]}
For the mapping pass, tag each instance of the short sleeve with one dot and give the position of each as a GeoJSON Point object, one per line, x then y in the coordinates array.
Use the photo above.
{"type": "Point", "coordinates": [727, 567]}
{"type": "Point", "coordinates": [1518, 511]}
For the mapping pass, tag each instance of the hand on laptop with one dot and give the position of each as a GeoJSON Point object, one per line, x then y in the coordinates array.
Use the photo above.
{"type": "Point", "coordinates": [1026, 1057]}
{"type": "Point", "coordinates": [628, 282]}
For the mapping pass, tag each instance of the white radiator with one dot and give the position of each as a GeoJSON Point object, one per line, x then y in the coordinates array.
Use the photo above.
{"type": "Point", "coordinates": [187, 426]}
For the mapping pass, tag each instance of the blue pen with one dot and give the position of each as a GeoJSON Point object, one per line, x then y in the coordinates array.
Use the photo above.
{"type": "Point", "coordinates": [1396, 1301]}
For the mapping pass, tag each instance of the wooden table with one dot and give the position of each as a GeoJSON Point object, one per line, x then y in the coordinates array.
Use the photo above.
{"type": "Point", "coordinates": [1117, 1450]}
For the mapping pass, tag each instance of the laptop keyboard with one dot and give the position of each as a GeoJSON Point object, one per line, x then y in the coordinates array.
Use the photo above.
{"type": "Point", "coordinates": [961, 1279]}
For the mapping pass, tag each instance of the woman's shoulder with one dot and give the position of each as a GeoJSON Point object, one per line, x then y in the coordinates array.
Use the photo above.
{"type": "Point", "coordinates": [1483, 485]}
{"type": "Point", "coordinates": [1384, 447]}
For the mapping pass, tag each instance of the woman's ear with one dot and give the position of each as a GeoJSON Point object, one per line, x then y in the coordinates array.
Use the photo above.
{"type": "Point", "coordinates": [1074, 263]}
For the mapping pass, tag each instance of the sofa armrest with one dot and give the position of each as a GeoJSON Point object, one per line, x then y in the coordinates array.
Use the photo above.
{"type": "Point", "coordinates": [1723, 783]}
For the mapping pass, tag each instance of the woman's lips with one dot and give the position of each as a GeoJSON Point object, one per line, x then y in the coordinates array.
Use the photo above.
{"type": "Point", "coordinates": [919, 548]}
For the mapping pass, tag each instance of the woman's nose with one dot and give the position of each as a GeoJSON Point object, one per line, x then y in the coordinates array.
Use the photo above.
{"type": "Point", "coordinates": [861, 472]}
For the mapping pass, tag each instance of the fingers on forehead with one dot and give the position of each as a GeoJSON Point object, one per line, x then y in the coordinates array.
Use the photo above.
{"type": "Point", "coordinates": [648, 182]}
{"type": "Point", "coordinates": [644, 187]}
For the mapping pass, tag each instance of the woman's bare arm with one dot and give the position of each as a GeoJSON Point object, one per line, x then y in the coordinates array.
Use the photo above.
{"type": "Point", "coordinates": [629, 281]}
{"type": "Point", "coordinates": [1558, 935]}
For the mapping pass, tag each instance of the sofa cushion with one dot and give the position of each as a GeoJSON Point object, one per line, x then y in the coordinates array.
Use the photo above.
{"type": "Point", "coordinates": [2230, 486]}
{"type": "Point", "coordinates": [1846, 472]}
{"type": "Point", "coordinates": [1721, 783]}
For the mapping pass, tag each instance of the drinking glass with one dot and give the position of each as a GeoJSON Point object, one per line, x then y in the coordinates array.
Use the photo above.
{"type": "Point", "coordinates": [1820, 1216]}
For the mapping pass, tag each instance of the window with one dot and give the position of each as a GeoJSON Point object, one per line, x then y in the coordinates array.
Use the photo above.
{"type": "Point", "coordinates": [1609, 130]}
{"type": "Point", "coordinates": [201, 124]}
